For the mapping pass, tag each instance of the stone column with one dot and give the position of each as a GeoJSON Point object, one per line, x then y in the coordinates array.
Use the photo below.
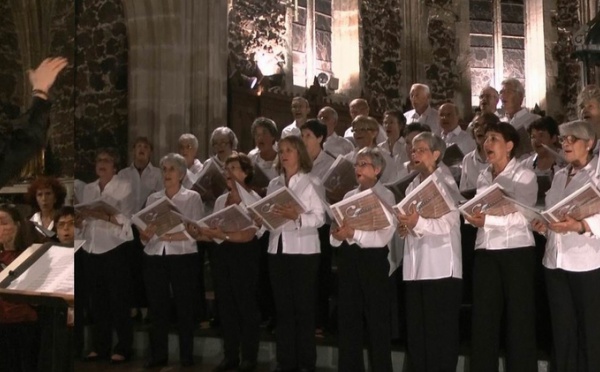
{"type": "Point", "coordinates": [177, 70]}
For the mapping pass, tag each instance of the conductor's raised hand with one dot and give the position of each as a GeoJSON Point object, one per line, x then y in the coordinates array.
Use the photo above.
{"type": "Point", "coordinates": [286, 211]}
{"type": "Point", "coordinates": [45, 74]}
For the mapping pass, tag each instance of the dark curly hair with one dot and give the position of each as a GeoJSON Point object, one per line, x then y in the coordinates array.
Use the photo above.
{"type": "Point", "coordinates": [44, 182]}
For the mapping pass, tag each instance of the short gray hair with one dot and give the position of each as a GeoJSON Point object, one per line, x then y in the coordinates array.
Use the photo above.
{"type": "Point", "coordinates": [265, 123]}
{"type": "Point", "coordinates": [588, 93]}
{"type": "Point", "coordinates": [579, 128]}
{"type": "Point", "coordinates": [376, 156]}
{"type": "Point", "coordinates": [189, 138]}
{"type": "Point", "coordinates": [433, 141]}
{"type": "Point", "coordinates": [177, 160]}
{"type": "Point", "coordinates": [515, 84]}
{"type": "Point", "coordinates": [422, 86]}
{"type": "Point", "coordinates": [227, 132]}
{"type": "Point", "coordinates": [332, 110]}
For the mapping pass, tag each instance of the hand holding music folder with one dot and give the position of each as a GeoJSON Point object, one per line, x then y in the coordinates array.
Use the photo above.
{"type": "Point", "coordinates": [103, 206]}
{"type": "Point", "coordinates": [162, 214]}
{"type": "Point", "coordinates": [264, 208]}
{"type": "Point", "coordinates": [211, 182]}
{"type": "Point", "coordinates": [579, 205]}
{"type": "Point", "coordinates": [232, 218]}
{"type": "Point", "coordinates": [491, 201]}
{"type": "Point", "coordinates": [363, 211]}
{"type": "Point", "coordinates": [430, 199]}
{"type": "Point", "coordinates": [339, 179]}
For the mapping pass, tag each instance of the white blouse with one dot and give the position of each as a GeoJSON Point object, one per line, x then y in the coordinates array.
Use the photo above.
{"type": "Point", "coordinates": [472, 166]}
{"type": "Point", "coordinates": [435, 251]}
{"type": "Point", "coordinates": [37, 218]}
{"type": "Point", "coordinates": [299, 237]}
{"type": "Point", "coordinates": [571, 251]}
{"type": "Point", "coordinates": [266, 166]}
{"type": "Point", "coordinates": [321, 164]}
{"type": "Point", "coordinates": [102, 236]}
{"type": "Point", "coordinates": [189, 204]}
{"type": "Point", "coordinates": [150, 181]}
{"type": "Point", "coordinates": [337, 145]}
{"type": "Point", "coordinates": [513, 230]}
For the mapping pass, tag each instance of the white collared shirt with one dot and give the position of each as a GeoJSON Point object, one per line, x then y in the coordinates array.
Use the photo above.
{"type": "Point", "coordinates": [372, 239]}
{"type": "Point", "coordinates": [530, 162]}
{"type": "Point", "coordinates": [571, 251]}
{"type": "Point", "coordinates": [267, 166]}
{"type": "Point", "coordinates": [398, 152]}
{"type": "Point", "coordinates": [321, 165]}
{"type": "Point", "coordinates": [337, 145]}
{"type": "Point", "coordinates": [472, 166]}
{"type": "Point", "coordinates": [192, 173]}
{"type": "Point", "coordinates": [392, 171]}
{"type": "Point", "coordinates": [151, 180]}
{"type": "Point", "coordinates": [513, 230]}
{"type": "Point", "coordinates": [521, 118]}
{"type": "Point", "coordinates": [291, 130]}
{"type": "Point", "coordinates": [214, 159]}
{"type": "Point", "coordinates": [302, 237]}
{"type": "Point", "coordinates": [430, 117]}
{"type": "Point", "coordinates": [435, 251]}
{"type": "Point", "coordinates": [37, 218]}
{"type": "Point", "coordinates": [101, 236]}
{"type": "Point", "coordinates": [463, 140]}
{"type": "Point", "coordinates": [190, 205]}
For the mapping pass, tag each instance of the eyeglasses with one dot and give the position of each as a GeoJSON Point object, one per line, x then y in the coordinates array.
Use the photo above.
{"type": "Point", "coordinates": [419, 150]}
{"type": "Point", "coordinates": [186, 147]}
{"type": "Point", "coordinates": [221, 143]}
{"type": "Point", "coordinates": [362, 129]}
{"type": "Point", "coordinates": [568, 139]}
{"type": "Point", "coordinates": [362, 164]}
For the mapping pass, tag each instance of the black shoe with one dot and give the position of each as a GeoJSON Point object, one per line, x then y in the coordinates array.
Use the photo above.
{"type": "Point", "coordinates": [227, 365]}
{"type": "Point", "coordinates": [187, 362]}
{"type": "Point", "coordinates": [247, 366]}
{"type": "Point", "coordinates": [151, 363]}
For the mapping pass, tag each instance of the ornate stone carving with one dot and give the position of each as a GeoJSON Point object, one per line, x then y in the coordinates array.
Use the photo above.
{"type": "Point", "coordinates": [442, 76]}
{"type": "Point", "coordinates": [256, 29]}
{"type": "Point", "coordinates": [381, 30]}
{"type": "Point", "coordinates": [566, 21]}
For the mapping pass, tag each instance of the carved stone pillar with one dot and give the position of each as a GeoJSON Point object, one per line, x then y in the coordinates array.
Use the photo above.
{"type": "Point", "coordinates": [177, 70]}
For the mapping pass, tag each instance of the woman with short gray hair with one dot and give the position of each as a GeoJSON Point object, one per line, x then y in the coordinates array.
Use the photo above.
{"type": "Point", "coordinates": [572, 259]}
{"type": "Point", "coordinates": [224, 142]}
{"type": "Point", "coordinates": [363, 268]}
{"type": "Point", "coordinates": [188, 148]}
{"type": "Point", "coordinates": [432, 269]}
{"type": "Point", "coordinates": [171, 263]}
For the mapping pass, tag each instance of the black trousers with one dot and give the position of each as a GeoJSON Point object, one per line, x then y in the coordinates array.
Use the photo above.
{"type": "Point", "coordinates": [294, 282]}
{"type": "Point", "coordinates": [110, 287]}
{"type": "Point", "coordinates": [324, 279]}
{"type": "Point", "coordinates": [364, 293]}
{"type": "Point", "coordinates": [164, 275]}
{"type": "Point", "coordinates": [574, 299]}
{"type": "Point", "coordinates": [503, 280]}
{"type": "Point", "coordinates": [236, 269]}
{"type": "Point", "coordinates": [432, 310]}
